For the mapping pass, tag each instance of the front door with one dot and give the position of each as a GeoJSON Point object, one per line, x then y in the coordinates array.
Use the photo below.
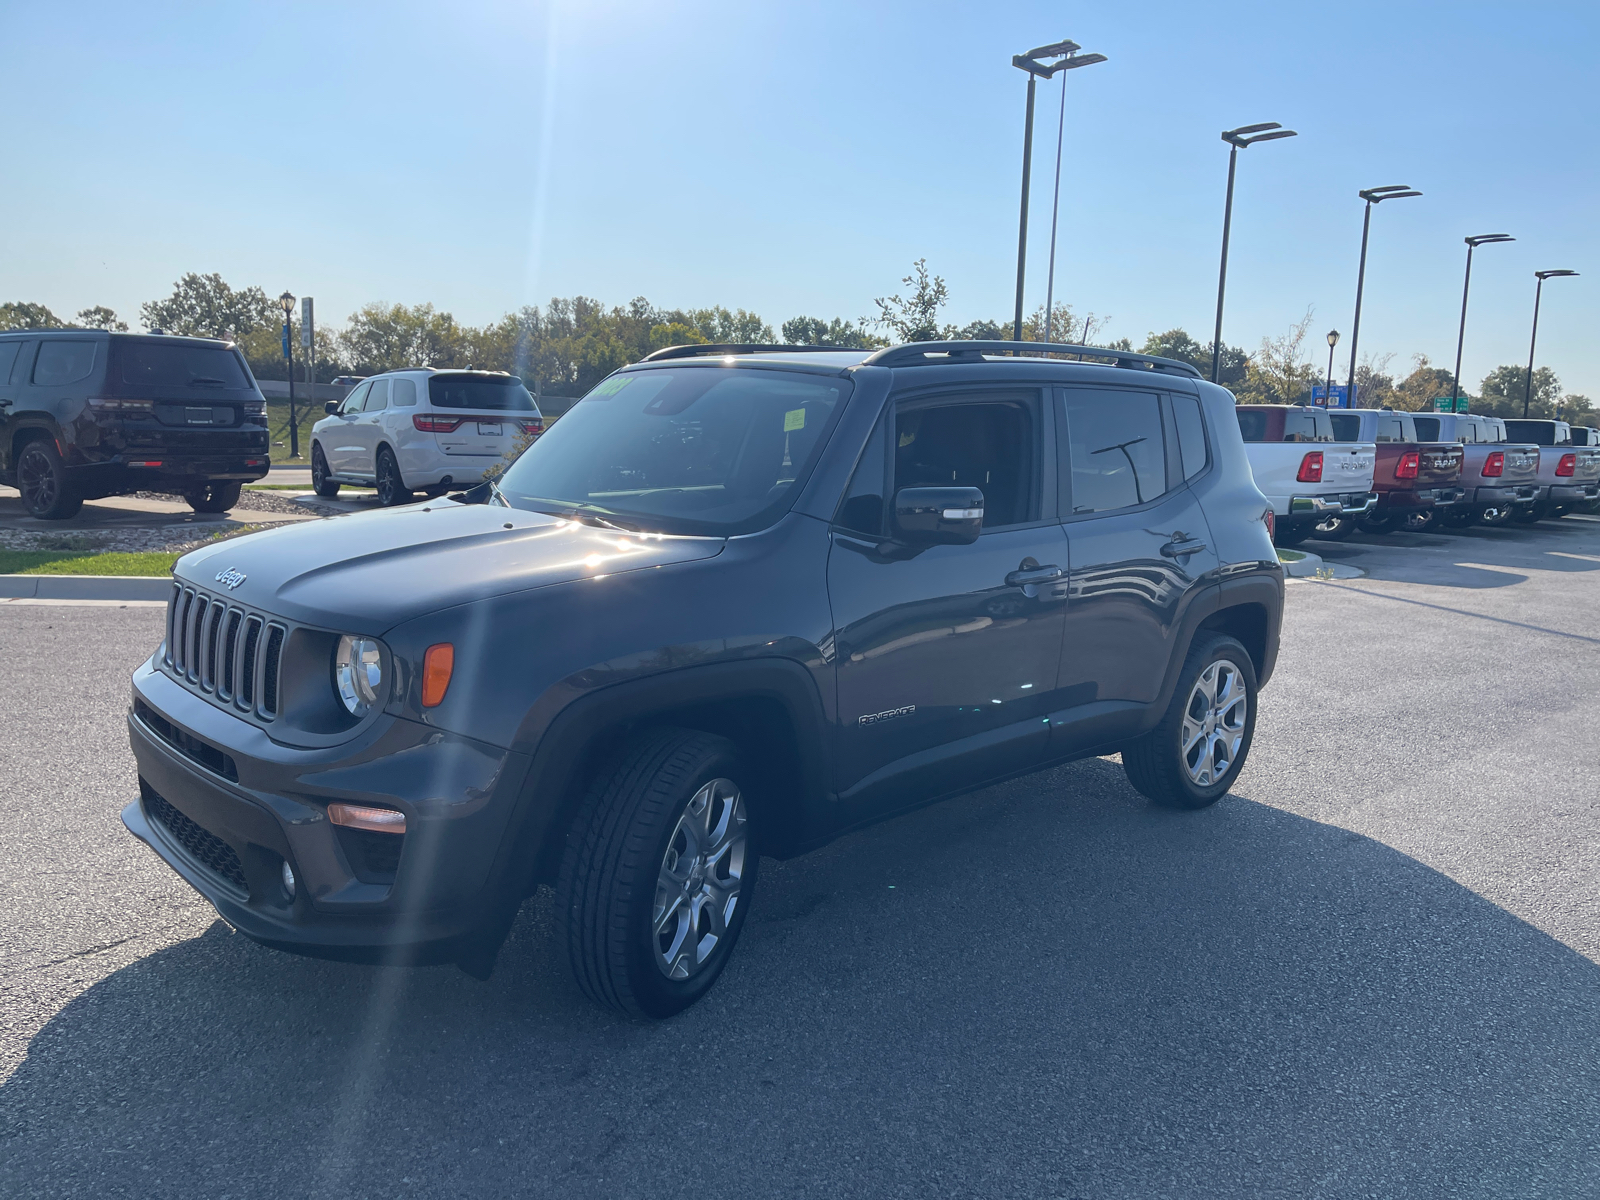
{"type": "Point", "coordinates": [340, 441]}
{"type": "Point", "coordinates": [946, 656]}
{"type": "Point", "coordinates": [1141, 548]}
{"type": "Point", "coordinates": [367, 429]}
{"type": "Point", "coordinates": [11, 355]}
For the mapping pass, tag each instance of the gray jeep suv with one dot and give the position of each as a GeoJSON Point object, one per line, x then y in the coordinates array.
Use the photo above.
{"type": "Point", "coordinates": [737, 601]}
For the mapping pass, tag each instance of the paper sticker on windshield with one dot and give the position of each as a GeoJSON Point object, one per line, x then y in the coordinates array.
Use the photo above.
{"type": "Point", "coordinates": [610, 387]}
{"type": "Point", "coordinates": [794, 419]}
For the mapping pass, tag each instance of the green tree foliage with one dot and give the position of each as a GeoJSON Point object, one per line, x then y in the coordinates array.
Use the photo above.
{"type": "Point", "coordinates": [1375, 386]}
{"type": "Point", "coordinates": [675, 333]}
{"type": "Point", "coordinates": [386, 337]}
{"type": "Point", "coordinates": [1279, 373]}
{"type": "Point", "coordinates": [101, 317]}
{"type": "Point", "coordinates": [1418, 390]}
{"type": "Point", "coordinates": [915, 318]}
{"type": "Point", "coordinates": [263, 350]}
{"type": "Point", "coordinates": [22, 315]}
{"type": "Point", "coordinates": [1502, 390]}
{"type": "Point", "coordinates": [1178, 344]}
{"type": "Point", "coordinates": [205, 306]}
{"type": "Point", "coordinates": [812, 331]}
{"type": "Point", "coordinates": [720, 325]}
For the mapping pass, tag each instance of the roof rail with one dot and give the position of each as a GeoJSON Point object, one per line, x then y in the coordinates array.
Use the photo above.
{"type": "Point", "coordinates": [914, 354]}
{"type": "Point", "coordinates": [706, 350]}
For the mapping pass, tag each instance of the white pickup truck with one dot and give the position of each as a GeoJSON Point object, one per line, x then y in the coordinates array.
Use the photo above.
{"type": "Point", "coordinates": [1305, 474]}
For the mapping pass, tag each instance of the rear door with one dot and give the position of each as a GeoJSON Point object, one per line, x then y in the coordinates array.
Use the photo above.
{"type": "Point", "coordinates": [1140, 545]}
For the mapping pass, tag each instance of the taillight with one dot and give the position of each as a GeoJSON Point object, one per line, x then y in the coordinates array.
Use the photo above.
{"type": "Point", "coordinates": [1567, 465]}
{"type": "Point", "coordinates": [1495, 464]}
{"type": "Point", "coordinates": [1270, 521]}
{"type": "Point", "coordinates": [1311, 468]}
{"type": "Point", "coordinates": [534, 427]}
{"type": "Point", "coordinates": [1407, 467]}
{"type": "Point", "coordinates": [432, 423]}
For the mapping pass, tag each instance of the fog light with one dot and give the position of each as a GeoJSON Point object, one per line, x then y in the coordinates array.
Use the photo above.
{"type": "Point", "coordinates": [288, 879]}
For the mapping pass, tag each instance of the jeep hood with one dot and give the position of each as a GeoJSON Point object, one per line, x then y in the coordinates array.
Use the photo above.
{"type": "Point", "coordinates": [367, 572]}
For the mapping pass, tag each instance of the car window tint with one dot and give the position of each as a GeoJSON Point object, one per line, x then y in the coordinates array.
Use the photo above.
{"type": "Point", "coordinates": [1252, 424]}
{"type": "Point", "coordinates": [1191, 434]}
{"type": "Point", "coordinates": [1115, 449]}
{"type": "Point", "coordinates": [1427, 428]}
{"type": "Point", "coordinates": [1305, 427]}
{"type": "Point", "coordinates": [496, 393]}
{"type": "Point", "coordinates": [1390, 430]}
{"type": "Point", "coordinates": [987, 444]}
{"type": "Point", "coordinates": [378, 397]}
{"type": "Point", "coordinates": [8, 359]}
{"type": "Point", "coordinates": [1346, 426]}
{"type": "Point", "coordinates": [403, 393]}
{"type": "Point", "coordinates": [180, 365]}
{"type": "Point", "coordinates": [62, 361]}
{"type": "Point", "coordinates": [354, 401]}
{"type": "Point", "coordinates": [861, 511]}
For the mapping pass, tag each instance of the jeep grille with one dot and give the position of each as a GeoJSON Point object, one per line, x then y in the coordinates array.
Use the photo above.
{"type": "Point", "coordinates": [226, 653]}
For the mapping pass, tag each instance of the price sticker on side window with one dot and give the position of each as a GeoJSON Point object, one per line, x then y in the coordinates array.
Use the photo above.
{"type": "Point", "coordinates": [794, 419]}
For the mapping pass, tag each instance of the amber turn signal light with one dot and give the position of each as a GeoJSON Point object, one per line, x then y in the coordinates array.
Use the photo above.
{"type": "Point", "coordinates": [359, 816]}
{"type": "Point", "coordinates": [437, 664]}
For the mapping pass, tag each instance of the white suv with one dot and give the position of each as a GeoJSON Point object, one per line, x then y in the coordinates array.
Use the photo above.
{"type": "Point", "coordinates": [420, 429]}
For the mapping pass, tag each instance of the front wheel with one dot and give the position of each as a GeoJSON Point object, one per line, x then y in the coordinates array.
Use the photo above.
{"type": "Point", "coordinates": [213, 497]}
{"type": "Point", "coordinates": [1193, 756]}
{"type": "Point", "coordinates": [657, 874]}
{"type": "Point", "coordinates": [391, 488]}
{"type": "Point", "coordinates": [320, 483]}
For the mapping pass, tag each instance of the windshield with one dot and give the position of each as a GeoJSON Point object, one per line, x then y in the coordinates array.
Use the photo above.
{"type": "Point", "coordinates": [496, 393]}
{"type": "Point", "coordinates": [695, 450]}
{"type": "Point", "coordinates": [174, 365]}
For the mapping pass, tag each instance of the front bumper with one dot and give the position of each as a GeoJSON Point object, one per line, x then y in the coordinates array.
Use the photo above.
{"type": "Point", "coordinates": [225, 807]}
{"type": "Point", "coordinates": [1574, 493]}
{"type": "Point", "coordinates": [1521, 493]}
{"type": "Point", "coordinates": [1348, 504]}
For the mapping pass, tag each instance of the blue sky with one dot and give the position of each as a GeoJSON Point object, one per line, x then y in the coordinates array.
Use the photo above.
{"type": "Point", "coordinates": [797, 158]}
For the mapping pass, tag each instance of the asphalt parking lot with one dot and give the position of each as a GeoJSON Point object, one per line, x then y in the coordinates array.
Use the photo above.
{"type": "Point", "coordinates": [1373, 970]}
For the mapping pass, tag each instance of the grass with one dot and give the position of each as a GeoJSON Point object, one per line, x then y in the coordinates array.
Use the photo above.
{"type": "Point", "coordinates": [1290, 555]}
{"type": "Point", "coordinates": [66, 562]}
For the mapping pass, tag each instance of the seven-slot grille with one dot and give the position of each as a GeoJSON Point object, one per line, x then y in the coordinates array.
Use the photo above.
{"type": "Point", "coordinates": [226, 652]}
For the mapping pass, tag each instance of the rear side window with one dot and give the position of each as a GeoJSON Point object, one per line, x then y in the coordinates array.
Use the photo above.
{"type": "Point", "coordinates": [1346, 427]}
{"type": "Point", "coordinates": [403, 393]}
{"type": "Point", "coordinates": [494, 393]}
{"type": "Point", "coordinates": [174, 365]}
{"type": "Point", "coordinates": [8, 359]}
{"type": "Point", "coordinates": [378, 397]}
{"type": "Point", "coordinates": [1427, 428]}
{"type": "Point", "coordinates": [1116, 452]}
{"type": "Point", "coordinates": [1191, 434]}
{"type": "Point", "coordinates": [62, 361]}
{"type": "Point", "coordinates": [1252, 424]}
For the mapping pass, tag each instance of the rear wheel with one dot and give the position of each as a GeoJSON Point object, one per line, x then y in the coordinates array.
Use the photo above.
{"type": "Point", "coordinates": [657, 874]}
{"type": "Point", "coordinates": [42, 480]}
{"type": "Point", "coordinates": [1192, 758]}
{"type": "Point", "coordinates": [1379, 522]}
{"type": "Point", "coordinates": [1418, 520]}
{"type": "Point", "coordinates": [1495, 514]}
{"type": "Point", "coordinates": [1527, 514]}
{"type": "Point", "coordinates": [1335, 529]}
{"type": "Point", "coordinates": [391, 488]}
{"type": "Point", "coordinates": [320, 483]}
{"type": "Point", "coordinates": [213, 497]}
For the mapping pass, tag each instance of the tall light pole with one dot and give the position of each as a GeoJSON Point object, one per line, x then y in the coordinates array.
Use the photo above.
{"type": "Point", "coordinates": [1036, 70]}
{"type": "Point", "coordinates": [286, 302]}
{"type": "Point", "coordinates": [1538, 290]}
{"type": "Point", "coordinates": [1069, 63]}
{"type": "Point", "coordinates": [1239, 139]}
{"type": "Point", "coordinates": [1473, 242]}
{"type": "Point", "coordinates": [1373, 196]}
{"type": "Point", "coordinates": [1327, 388]}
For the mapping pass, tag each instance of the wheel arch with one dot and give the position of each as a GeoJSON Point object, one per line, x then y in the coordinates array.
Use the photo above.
{"type": "Point", "coordinates": [30, 429]}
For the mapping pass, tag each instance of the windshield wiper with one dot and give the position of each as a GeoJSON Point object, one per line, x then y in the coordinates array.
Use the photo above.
{"type": "Point", "coordinates": [589, 514]}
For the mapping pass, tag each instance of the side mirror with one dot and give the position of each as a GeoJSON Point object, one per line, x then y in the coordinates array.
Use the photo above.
{"type": "Point", "coordinates": [938, 516]}
{"type": "Point", "coordinates": [332, 407]}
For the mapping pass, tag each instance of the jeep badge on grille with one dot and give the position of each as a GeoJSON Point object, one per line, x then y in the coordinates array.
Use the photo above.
{"type": "Point", "coordinates": [231, 578]}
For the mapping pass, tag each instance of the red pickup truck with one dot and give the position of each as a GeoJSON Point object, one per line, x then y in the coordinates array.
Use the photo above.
{"type": "Point", "coordinates": [1414, 479]}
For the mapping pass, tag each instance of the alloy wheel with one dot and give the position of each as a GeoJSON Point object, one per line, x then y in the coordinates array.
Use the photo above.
{"type": "Point", "coordinates": [37, 480]}
{"type": "Point", "coordinates": [697, 888]}
{"type": "Point", "coordinates": [1213, 723]}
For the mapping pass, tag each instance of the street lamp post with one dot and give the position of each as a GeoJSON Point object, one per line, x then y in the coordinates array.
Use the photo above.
{"type": "Point", "coordinates": [1036, 70]}
{"type": "Point", "coordinates": [286, 302]}
{"type": "Point", "coordinates": [1473, 242]}
{"type": "Point", "coordinates": [1373, 196]}
{"type": "Point", "coordinates": [1327, 388]}
{"type": "Point", "coordinates": [1239, 139]}
{"type": "Point", "coordinates": [1533, 341]}
{"type": "Point", "coordinates": [1071, 62]}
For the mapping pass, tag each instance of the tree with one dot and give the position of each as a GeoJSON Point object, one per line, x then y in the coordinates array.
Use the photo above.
{"type": "Point", "coordinates": [1576, 408]}
{"type": "Point", "coordinates": [388, 337]}
{"type": "Point", "coordinates": [22, 315]}
{"type": "Point", "coordinates": [1279, 373]}
{"type": "Point", "coordinates": [1178, 344]}
{"type": "Point", "coordinates": [205, 306]}
{"type": "Point", "coordinates": [981, 331]}
{"type": "Point", "coordinates": [916, 319]}
{"type": "Point", "coordinates": [1418, 390]}
{"type": "Point", "coordinates": [1374, 385]}
{"type": "Point", "coordinates": [718, 324]}
{"type": "Point", "coordinates": [101, 317]}
{"type": "Point", "coordinates": [675, 333]}
{"type": "Point", "coordinates": [263, 350]}
{"type": "Point", "coordinates": [812, 331]}
{"type": "Point", "coordinates": [1502, 391]}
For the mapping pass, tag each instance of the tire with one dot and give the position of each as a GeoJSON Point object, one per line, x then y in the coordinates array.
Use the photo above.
{"type": "Point", "coordinates": [1157, 765]}
{"type": "Point", "coordinates": [214, 497]}
{"type": "Point", "coordinates": [1336, 529]}
{"type": "Point", "coordinates": [1419, 520]}
{"type": "Point", "coordinates": [1458, 516]}
{"type": "Point", "coordinates": [624, 853]}
{"type": "Point", "coordinates": [1379, 522]}
{"type": "Point", "coordinates": [1291, 534]}
{"type": "Point", "coordinates": [320, 483]}
{"type": "Point", "coordinates": [1527, 514]}
{"type": "Point", "coordinates": [42, 480]}
{"type": "Point", "coordinates": [392, 490]}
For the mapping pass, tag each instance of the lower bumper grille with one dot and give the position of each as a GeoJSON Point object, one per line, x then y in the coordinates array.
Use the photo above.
{"type": "Point", "coordinates": [203, 846]}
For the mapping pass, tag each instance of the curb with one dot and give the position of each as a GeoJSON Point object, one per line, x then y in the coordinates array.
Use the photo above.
{"type": "Point", "coordinates": [1311, 564]}
{"type": "Point", "coordinates": [85, 587]}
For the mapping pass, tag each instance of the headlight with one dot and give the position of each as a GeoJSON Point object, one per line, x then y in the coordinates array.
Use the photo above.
{"type": "Point", "coordinates": [358, 674]}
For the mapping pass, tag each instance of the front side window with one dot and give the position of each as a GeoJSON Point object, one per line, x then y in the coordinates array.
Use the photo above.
{"type": "Point", "coordinates": [862, 510]}
{"type": "Point", "coordinates": [1116, 451]}
{"type": "Point", "coordinates": [692, 449]}
{"type": "Point", "coordinates": [8, 359]}
{"type": "Point", "coordinates": [62, 361]}
{"type": "Point", "coordinates": [354, 401]}
{"type": "Point", "coordinates": [175, 365]}
{"type": "Point", "coordinates": [486, 393]}
{"type": "Point", "coordinates": [987, 444]}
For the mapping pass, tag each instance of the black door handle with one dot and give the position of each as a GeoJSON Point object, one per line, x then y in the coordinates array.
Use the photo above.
{"type": "Point", "coordinates": [1182, 549]}
{"type": "Point", "coordinates": [1031, 575]}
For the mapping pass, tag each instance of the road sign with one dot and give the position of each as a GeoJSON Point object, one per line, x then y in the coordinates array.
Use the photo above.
{"type": "Point", "coordinates": [1446, 404]}
{"type": "Point", "coordinates": [305, 322]}
{"type": "Point", "coordinates": [1339, 399]}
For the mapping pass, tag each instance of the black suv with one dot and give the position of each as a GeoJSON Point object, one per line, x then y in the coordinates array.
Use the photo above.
{"type": "Point", "coordinates": [737, 601]}
{"type": "Point", "coordinates": [86, 414]}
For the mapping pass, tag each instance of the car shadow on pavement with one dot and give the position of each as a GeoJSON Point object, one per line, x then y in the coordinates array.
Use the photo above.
{"type": "Point", "coordinates": [1045, 989]}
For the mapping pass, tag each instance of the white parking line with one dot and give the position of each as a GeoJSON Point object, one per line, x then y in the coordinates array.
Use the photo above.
{"type": "Point", "coordinates": [7, 600]}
